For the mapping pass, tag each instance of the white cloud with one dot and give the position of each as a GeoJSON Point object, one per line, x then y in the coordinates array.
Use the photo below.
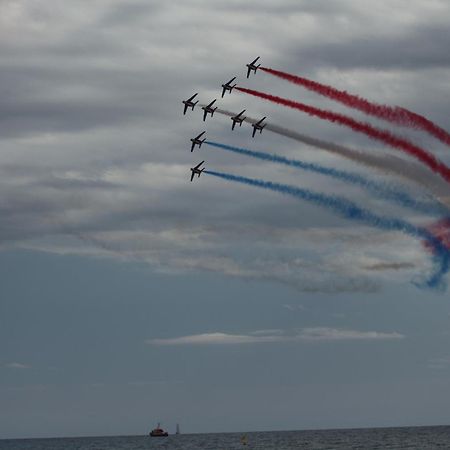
{"type": "Point", "coordinates": [216, 338]}
{"type": "Point", "coordinates": [266, 336]}
{"type": "Point", "coordinates": [17, 365]}
{"type": "Point", "coordinates": [335, 334]}
{"type": "Point", "coordinates": [290, 307]}
{"type": "Point", "coordinates": [439, 363]}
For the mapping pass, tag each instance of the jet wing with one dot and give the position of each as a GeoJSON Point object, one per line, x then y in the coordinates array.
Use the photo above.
{"type": "Point", "coordinates": [200, 135]}
{"type": "Point", "coordinates": [212, 103]}
{"type": "Point", "coordinates": [192, 146]}
{"type": "Point", "coordinates": [223, 91]}
{"type": "Point", "coordinates": [248, 71]}
{"type": "Point", "coordinates": [254, 131]}
{"type": "Point", "coordinates": [205, 111]}
{"type": "Point", "coordinates": [192, 98]}
{"type": "Point", "coordinates": [198, 165]}
{"type": "Point", "coordinates": [192, 175]}
{"type": "Point", "coordinates": [185, 108]}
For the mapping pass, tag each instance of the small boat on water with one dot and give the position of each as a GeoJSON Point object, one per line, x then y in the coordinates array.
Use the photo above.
{"type": "Point", "coordinates": [158, 432]}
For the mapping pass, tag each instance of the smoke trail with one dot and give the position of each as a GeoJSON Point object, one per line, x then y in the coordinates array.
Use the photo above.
{"type": "Point", "coordinates": [441, 230]}
{"type": "Point", "coordinates": [393, 114]}
{"type": "Point", "coordinates": [350, 210]}
{"type": "Point", "coordinates": [378, 189]}
{"type": "Point", "coordinates": [387, 163]}
{"type": "Point", "coordinates": [381, 135]}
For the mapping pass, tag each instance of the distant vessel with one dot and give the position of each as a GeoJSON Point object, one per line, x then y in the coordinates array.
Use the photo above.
{"type": "Point", "coordinates": [158, 432]}
{"type": "Point", "coordinates": [178, 429]}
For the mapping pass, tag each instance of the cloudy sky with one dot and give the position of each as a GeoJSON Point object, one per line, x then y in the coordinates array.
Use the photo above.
{"type": "Point", "coordinates": [131, 296]}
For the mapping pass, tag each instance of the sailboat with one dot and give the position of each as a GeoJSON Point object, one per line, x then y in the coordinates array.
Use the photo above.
{"type": "Point", "coordinates": [178, 429]}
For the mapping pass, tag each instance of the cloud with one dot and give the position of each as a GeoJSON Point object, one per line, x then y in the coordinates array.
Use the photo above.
{"type": "Point", "coordinates": [290, 307]}
{"type": "Point", "coordinates": [421, 48]}
{"type": "Point", "coordinates": [95, 155]}
{"type": "Point", "coordinates": [390, 266]}
{"type": "Point", "coordinates": [439, 363]}
{"type": "Point", "coordinates": [300, 259]}
{"type": "Point", "coordinates": [276, 336]}
{"type": "Point", "coordinates": [333, 334]}
{"type": "Point", "coordinates": [17, 365]}
{"type": "Point", "coordinates": [215, 339]}
{"type": "Point", "coordinates": [270, 331]}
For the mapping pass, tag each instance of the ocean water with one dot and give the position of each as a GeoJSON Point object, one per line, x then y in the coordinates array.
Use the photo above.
{"type": "Point", "coordinates": [412, 438]}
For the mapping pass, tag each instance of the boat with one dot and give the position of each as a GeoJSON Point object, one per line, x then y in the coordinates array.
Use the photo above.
{"type": "Point", "coordinates": [158, 432]}
{"type": "Point", "coordinates": [178, 429]}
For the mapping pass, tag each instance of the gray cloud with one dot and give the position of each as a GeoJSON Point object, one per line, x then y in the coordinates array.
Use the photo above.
{"type": "Point", "coordinates": [421, 48]}
{"type": "Point", "coordinates": [132, 12]}
{"type": "Point", "coordinates": [95, 153]}
{"type": "Point", "coordinates": [389, 266]}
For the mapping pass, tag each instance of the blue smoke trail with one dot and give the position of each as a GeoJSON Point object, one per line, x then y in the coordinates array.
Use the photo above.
{"type": "Point", "coordinates": [350, 210]}
{"type": "Point", "coordinates": [378, 189]}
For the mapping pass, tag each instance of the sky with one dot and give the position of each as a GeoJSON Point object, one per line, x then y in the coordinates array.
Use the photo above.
{"type": "Point", "coordinates": [130, 296]}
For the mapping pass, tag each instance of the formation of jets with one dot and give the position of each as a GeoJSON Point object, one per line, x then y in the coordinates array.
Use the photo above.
{"type": "Point", "coordinates": [210, 109]}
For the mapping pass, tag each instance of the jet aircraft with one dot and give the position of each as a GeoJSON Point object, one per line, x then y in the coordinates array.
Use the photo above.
{"type": "Point", "coordinates": [197, 141]}
{"type": "Point", "coordinates": [238, 119]}
{"type": "Point", "coordinates": [196, 170]}
{"type": "Point", "coordinates": [209, 109]}
{"type": "Point", "coordinates": [227, 86]}
{"type": "Point", "coordinates": [252, 66]}
{"type": "Point", "coordinates": [258, 126]}
{"type": "Point", "coordinates": [189, 103]}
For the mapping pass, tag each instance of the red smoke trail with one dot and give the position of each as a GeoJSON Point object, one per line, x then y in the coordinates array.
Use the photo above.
{"type": "Point", "coordinates": [401, 144]}
{"type": "Point", "coordinates": [393, 114]}
{"type": "Point", "coordinates": [441, 230]}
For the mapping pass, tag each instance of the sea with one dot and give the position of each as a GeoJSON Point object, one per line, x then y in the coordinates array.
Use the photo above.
{"type": "Point", "coordinates": [411, 438]}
